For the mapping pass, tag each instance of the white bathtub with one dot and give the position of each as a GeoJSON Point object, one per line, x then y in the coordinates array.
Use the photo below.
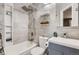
{"type": "Point", "coordinates": [20, 49]}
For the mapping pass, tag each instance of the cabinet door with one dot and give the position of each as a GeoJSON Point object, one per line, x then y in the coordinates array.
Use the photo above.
{"type": "Point", "coordinates": [71, 51]}
{"type": "Point", "coordinates": [55, 52]}
{"type": "Point", "coordinates": [54, 49]}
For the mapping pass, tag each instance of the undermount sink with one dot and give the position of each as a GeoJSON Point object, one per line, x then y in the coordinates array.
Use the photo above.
{"type": "Point", "coordinates": [65, 42]}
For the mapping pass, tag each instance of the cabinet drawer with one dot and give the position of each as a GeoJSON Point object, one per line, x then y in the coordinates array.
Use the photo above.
{"type": "Point", "coordinates": [71, 51]}
{"type": "Point", "coordinates": [56, 47]}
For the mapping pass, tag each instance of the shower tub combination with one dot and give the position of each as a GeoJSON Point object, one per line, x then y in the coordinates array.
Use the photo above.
{"type": "Point", "coordinates": [20, 49]}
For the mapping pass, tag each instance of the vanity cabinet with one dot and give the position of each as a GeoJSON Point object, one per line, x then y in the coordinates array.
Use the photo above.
{"type": "Point", "coordinates": [56, 49]}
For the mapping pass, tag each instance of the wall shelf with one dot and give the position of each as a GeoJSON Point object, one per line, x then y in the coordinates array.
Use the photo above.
{"type": "Point", "coordinates": [44, 22]}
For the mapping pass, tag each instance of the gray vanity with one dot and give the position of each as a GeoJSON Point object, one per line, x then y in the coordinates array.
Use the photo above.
{"type": "Point", "coordinates": [63, 46]}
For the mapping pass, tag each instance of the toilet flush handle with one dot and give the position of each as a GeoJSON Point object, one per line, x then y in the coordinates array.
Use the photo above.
{"type": "Point", "coordinates": [46, 44]}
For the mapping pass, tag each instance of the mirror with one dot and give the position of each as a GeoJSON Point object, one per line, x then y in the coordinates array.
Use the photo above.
{"type": "Point", "coordinates": [67, 17]}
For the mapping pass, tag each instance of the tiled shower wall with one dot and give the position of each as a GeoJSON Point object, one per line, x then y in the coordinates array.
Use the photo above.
{"type": "Point", "coordinates": [20, 27]}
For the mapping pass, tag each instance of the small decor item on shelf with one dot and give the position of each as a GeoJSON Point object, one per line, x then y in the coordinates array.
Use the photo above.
{"type": "Point", "coordinates": [55, 34]}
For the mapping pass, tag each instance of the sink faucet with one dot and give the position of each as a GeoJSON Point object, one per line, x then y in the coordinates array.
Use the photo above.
{"type": "Point", "coordinates": [55, 34]}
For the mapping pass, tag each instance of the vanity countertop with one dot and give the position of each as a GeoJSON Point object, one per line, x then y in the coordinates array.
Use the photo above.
{"type": "Point", "coordinates": [73, 43]}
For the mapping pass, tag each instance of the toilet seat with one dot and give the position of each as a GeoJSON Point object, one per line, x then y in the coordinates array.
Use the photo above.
{"type": "Point", "coordinates": [37, 51]}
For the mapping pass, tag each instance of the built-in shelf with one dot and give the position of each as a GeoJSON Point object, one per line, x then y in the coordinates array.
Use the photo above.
{"type": "Point", "coordinates": [9, 39]}
{"type": "Point", "coordinates": [44, 22]}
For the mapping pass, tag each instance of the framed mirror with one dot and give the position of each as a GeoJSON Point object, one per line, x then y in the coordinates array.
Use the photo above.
{"type": "Point", "coordinates": [66, 16]}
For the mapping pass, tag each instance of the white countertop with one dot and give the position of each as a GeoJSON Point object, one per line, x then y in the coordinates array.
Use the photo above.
{"type": "Point", "coordinates": [73, 43]}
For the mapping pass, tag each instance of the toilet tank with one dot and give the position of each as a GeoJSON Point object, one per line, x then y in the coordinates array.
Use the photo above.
{"type": "Point", "coordinates": [42, 41]}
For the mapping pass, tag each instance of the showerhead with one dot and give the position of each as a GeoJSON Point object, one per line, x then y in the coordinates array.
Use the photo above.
{"type": "Point", "coordinates": [29, 8]}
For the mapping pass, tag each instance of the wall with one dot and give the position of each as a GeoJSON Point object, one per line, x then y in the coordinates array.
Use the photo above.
{"type": "Point", "coordinates": [45, 30]}
{"type": "Point", "coordinates": [54, 20]}
{"type": "Point", "coordinates": [35, 26]}
{"type": "Point", "coordinates": [31, 27]}
{"type": "Point", "coordinates": [73, 32]}
{"type": "Point", "coordinates": [20, 26]}
{"type": "Point", "coordinates": [75, 12]}
{"type": "Point", "coordinates": [1, 22]}
{"type": "Point", "coordinates": [18, 22]}
{"type": "Point", "coordinates": [54, 23]}
{"type": "Point", "coordinates": [1, 14]}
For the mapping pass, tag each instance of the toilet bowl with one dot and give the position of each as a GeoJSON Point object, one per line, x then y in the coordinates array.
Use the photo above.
{"type": "Point", "coordinates": [42, 46]}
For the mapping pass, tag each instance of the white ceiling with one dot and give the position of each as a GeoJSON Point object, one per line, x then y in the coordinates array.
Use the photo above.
{"type": "Point", "coordinates": [18, 6]}
{"type": "Point", "coordinates": [34, 5]}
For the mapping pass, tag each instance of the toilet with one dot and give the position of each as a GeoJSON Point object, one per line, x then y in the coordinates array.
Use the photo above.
{"type": "Point", "coordinates": [41, 48]}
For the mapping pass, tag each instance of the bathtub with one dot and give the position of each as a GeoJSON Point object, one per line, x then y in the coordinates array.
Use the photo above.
{"type": "Point", "coordinates": [20, 49]}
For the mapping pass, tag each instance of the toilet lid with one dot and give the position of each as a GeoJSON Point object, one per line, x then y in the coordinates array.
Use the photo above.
{"type": "Point", "coordinates": [37, 51]}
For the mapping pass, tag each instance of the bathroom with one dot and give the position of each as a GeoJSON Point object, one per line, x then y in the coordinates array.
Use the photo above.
{"type": "Point", "coordinates": [27, 27]}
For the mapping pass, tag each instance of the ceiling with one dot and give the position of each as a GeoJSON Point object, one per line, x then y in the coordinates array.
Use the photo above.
{"type": "Point", "coordinates": [34, 5]}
